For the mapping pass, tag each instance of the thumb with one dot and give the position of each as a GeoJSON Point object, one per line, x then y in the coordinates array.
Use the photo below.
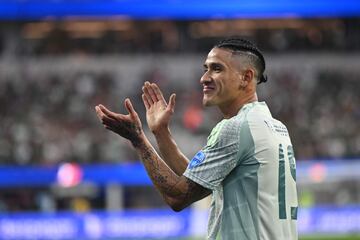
{"type": "Point", "coordinates": [171, 104]}
{"type": "Point", "coordinates": [129, 107]}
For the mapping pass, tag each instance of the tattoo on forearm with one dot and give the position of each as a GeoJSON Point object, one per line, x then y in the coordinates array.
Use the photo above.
{"type": "Point", "coordinates": [166, 181]}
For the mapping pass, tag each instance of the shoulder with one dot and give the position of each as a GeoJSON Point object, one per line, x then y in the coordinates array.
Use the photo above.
{"type": "Point", "coordinates": [229, 129]}
{"type": "Point", "coordinates": [258, 115]}
{"type": "Point", "coordinates": [226, 131]}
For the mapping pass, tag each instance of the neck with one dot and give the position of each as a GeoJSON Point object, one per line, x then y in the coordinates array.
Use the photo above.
{"type": "Point", "coordinates": [231, 109]}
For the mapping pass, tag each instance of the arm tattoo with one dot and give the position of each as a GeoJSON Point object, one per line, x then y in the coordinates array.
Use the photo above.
{"type": "Point", "coordinates": [166, 181]}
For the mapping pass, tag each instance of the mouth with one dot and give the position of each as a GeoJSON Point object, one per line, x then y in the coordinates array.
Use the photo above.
{"type": "Point", "coordinates": [208, 89]}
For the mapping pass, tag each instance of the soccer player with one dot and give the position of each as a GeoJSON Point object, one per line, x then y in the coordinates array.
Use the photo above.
{"type": "Point", "coordinates": [248, 163]}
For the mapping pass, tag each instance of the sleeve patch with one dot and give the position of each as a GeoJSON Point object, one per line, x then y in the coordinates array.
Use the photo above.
{"type": "Point", "coordinates": [197, 159]}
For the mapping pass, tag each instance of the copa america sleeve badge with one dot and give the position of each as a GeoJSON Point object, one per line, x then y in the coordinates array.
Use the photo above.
{"type": "Point", "coordinates": [197, 159]}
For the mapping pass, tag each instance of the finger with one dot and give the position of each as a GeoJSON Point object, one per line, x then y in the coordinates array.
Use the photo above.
{"type": "Point", "coordinates": [107, 112]}
{"type": "Point", "coordinates": [98, 112]}
{"type": "Point", "coordinates": [171, 104]}
{"type": "Point", "coordinates": [129, 107]}
{"type": "Point", "coordinates": [145, 84]}
{"type": "Point", "coordinates": [149, 101]}
{"type": "Point", "coordinates": [146, 103]}
{"type": "Point", "coordinates": [151, 92]}
{"type": "Point", "coordinates": [103, 118]}
{"type": "Point", "coordinates": [157, 92]}
{"type": "Point", "coordinates": [107, 122]}
{"type": "Point", "coordinates": [147, 94]}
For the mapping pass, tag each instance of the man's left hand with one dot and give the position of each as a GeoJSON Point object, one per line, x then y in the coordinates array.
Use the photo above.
{"type": "Point", "coordinates": [128, 126]}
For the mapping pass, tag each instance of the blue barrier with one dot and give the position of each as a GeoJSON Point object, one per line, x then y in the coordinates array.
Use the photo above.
{"type": "Point", "coordinates": [181, 9]}
{"type": "Point", "coordinates": [125, 174]}
{"type": "Point", "coordinates": [95, 225]}
{"type": "Point", "coordinates": [129, 174]}
{"type": "Point", "coordinates": [147, 224]}
{"type": "Point", "coordinates": [329, 220]}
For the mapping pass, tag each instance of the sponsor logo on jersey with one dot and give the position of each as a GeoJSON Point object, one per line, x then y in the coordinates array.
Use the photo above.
{"type": "Point", "coordinates": [197, 159]}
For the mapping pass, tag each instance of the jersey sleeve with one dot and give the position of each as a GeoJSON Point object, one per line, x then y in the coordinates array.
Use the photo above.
{"type": "Point", "coordinates": [218, 158]}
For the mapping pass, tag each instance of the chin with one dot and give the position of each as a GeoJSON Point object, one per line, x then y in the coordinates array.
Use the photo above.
{"type": "Point", "coordinates": [207, 103]}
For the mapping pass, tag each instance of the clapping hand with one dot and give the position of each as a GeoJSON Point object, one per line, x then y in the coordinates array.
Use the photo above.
{"type": "Point", "coordinates": [128, 126]}
{"type": "Point", "coordinates": [158, 111]}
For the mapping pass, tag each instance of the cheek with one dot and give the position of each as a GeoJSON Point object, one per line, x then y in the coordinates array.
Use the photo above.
{"type": "Point", "coordinates": [229, 88]}
{"type": "Point", "coordinates": [225, 85]}
{"type": "Point", "coordinates": [220, 81]}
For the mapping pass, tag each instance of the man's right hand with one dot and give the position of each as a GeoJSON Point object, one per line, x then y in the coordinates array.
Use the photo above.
{"type": "Point", "coordinates": [158, 111]}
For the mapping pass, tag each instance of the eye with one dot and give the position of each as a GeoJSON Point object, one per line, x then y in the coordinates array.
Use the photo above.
{"type": "Point", "coordinates": [217, 69]}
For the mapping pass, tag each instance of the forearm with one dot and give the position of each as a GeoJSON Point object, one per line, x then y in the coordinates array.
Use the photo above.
{"type": "Point", "coordinates": [164, 179]}
{"type": "Point", "coordinates": [177, 191]}
{"type": "Point", "coordinates": [170, 152]}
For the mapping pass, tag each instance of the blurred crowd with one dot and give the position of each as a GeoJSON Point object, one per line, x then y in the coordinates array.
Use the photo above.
{"type": "Point", "coordinates": [321, 112]}
{"type": "Point", "coordinates": [49, 118]}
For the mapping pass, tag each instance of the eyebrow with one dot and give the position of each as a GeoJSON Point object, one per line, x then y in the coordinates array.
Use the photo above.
{"type": "Point", "coordinates": [213, 65]}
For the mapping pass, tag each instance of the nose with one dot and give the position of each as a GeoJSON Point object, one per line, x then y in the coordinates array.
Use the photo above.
{"type": "Point", "coordinates": [205, 78]}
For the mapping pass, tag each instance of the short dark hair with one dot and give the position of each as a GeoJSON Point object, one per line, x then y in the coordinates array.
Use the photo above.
{"type": "Point", "coordinates": [244, 46]}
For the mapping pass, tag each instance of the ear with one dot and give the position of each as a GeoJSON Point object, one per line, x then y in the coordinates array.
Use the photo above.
{"type": "Point", "coordinates": [243, 83]}
{"type": "Point", "coordinates": [248, 75]}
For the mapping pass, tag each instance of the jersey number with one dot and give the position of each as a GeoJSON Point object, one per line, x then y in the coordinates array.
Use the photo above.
{"type": "Point", "coordinates": [282, 198]}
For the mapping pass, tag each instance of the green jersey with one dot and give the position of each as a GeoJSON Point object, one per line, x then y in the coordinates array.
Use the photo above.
{"type": "Point", "coordinates": [249, 165]}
